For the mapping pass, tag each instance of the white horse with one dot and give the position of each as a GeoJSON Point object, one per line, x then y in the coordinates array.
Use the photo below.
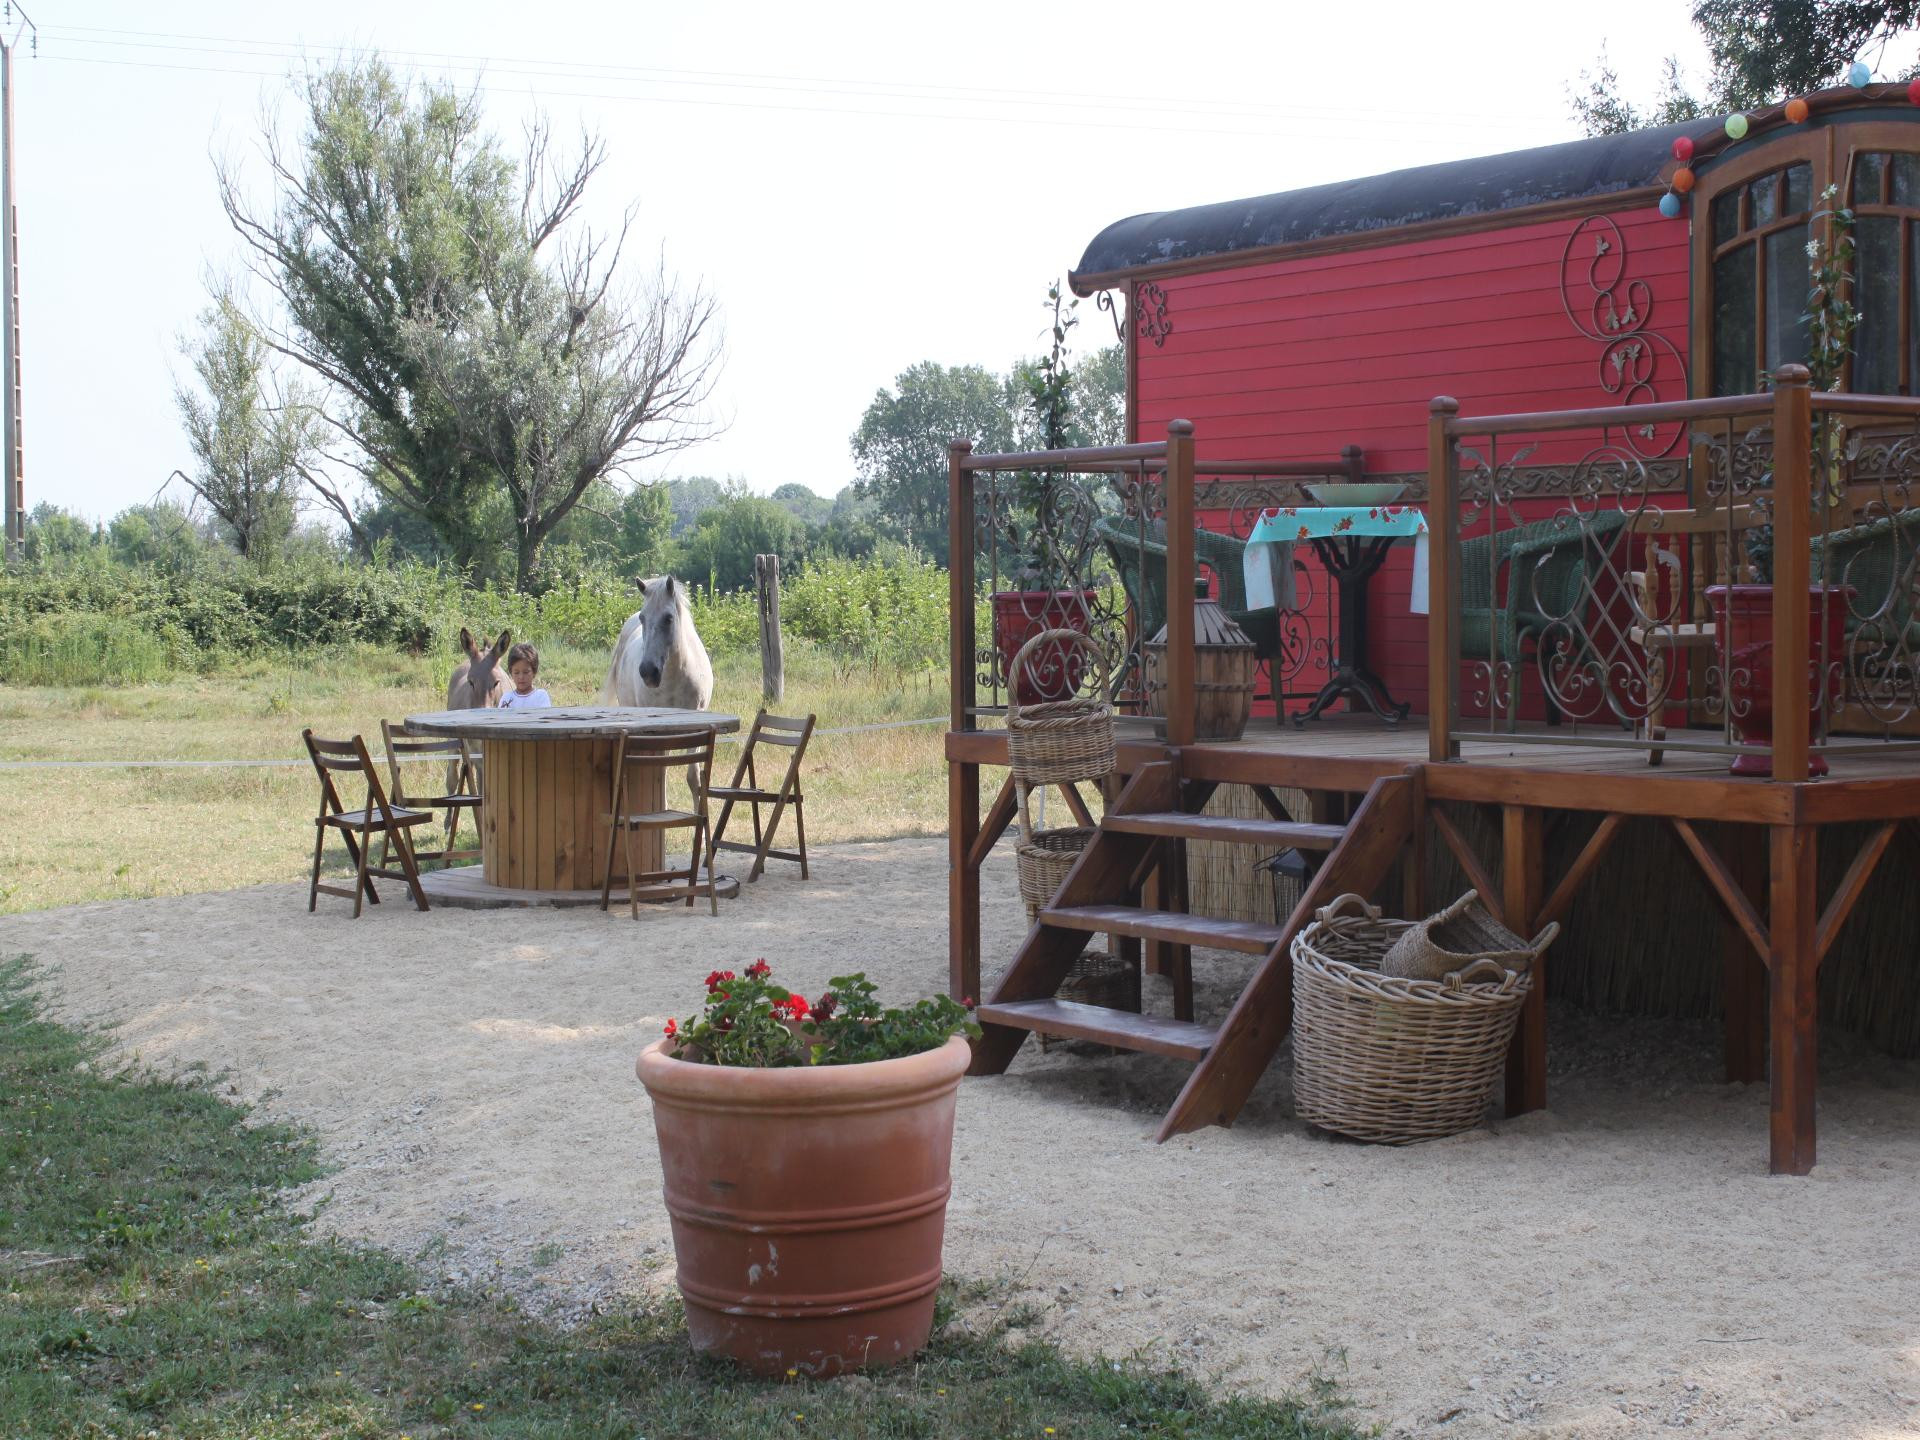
{"type": "Point", "coordinates": [658, 659]}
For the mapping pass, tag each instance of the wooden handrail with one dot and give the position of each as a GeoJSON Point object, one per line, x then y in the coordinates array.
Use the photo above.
{"type": "Point", "coordinates": [1726, 407]}
{"type": "Point", "coordinates": [1101, 457]}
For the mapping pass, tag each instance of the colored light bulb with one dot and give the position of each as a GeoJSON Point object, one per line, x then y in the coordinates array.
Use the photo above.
{"type": "Point", "coordinates": [1670, 205]}
{"type": "Point", "coordinates": [1859, 75]}
{"type": "Point", "coordinates": [1683, 149]}
{"type": "Point", "coordinates": [1796, 110]}
{"type": "Point", "coordinates": [1736, 127]}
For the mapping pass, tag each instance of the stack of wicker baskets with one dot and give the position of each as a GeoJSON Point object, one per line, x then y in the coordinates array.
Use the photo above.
{"type": "Point", "coordinates": [1063, 742]}
{"type": "Point", "coordinates": [1397, 1060]}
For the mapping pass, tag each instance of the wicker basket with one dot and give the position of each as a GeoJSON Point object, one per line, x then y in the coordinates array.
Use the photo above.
{"type": "Point", "coordinates": [1044, 860]}
{"type": "Point", "coordinates": [1395, 1061]}
{"type": "Point", "coordinates": [1057, 740]}
{"type": "Point", "coordinates": [1097, 978]}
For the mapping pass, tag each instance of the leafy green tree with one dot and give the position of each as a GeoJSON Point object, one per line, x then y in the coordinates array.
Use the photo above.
{"type": "Point", "coordinates": [1767, 50]}
{"type": "Point", "coordinates": [694, 495]}
{"type": "Point", "coordinates": [473, 338]}
{"type": "Point", "coordinates": [722, 546]}
{"type": "Point", "coordinates": [54, 534]}
{"type": "Point", "coordinates": [804, 503]}
{"type": "Point", "coordinates": [644, 540]}
{"type": "Point", "coordinates": [1100, 399]}
{"type": "Point", "coordinates": [161, 535]}
{"type": "Point", "coordinates": [1762, 51]}
{"type": "Point", "coordinates": [900, 449]}
{"type": "Point", "coordinates": [249, 447]}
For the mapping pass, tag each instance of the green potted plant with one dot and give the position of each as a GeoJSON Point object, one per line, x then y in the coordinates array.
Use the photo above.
{"type": "Point", "coordinates": [1743, 612]}
{"type": "Point", "coordinates": [806, 1149]}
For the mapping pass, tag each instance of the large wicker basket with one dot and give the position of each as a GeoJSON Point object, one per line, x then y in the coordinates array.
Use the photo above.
{"type": "Point", "coordinates": [1388, 1060]}
{"type": "Point", "coordinates": [1057, 740]}
{"type": "Point", "coordinates": [1044, 858]}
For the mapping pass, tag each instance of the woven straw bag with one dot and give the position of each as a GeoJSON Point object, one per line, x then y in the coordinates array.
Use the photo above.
{"type": "Point", "coordinates": [1394, 1060]}
{"type": "Point", "coordinates": [1451, 941]}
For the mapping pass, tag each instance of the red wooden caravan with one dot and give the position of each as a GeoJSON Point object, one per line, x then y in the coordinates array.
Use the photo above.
{"type": "Point", "coordinates": [1657, 551]}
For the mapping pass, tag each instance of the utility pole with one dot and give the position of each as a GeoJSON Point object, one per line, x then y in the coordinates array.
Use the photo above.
{"type": "Point", "coordinates": [10, 410]}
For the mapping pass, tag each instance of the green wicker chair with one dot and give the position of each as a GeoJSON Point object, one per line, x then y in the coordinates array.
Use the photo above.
{"type": "Point", "coordinates": [1876, 558]}
{"type": "Point", "coordinates": [1142, 563]}
{"type": "Point", "coordinates": [1554, 554]}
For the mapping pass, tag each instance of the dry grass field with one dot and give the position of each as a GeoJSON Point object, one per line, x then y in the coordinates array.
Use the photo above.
{"type": "Point", "coordinates": [94, 832]}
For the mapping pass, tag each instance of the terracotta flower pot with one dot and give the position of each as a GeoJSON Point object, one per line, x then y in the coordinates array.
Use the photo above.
{"type": "Point", "coordinates": [809, 1205]}
{"type": "Point", "coordinates": [1744, 616]}
{"type": "Point", "coordinates": [1018, 616]}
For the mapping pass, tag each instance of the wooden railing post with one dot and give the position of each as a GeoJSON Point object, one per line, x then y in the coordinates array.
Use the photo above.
{"type": "Point", "coordinates": [963, 778]}
{"type": "Point", "coordinates": [1443, 584]}
{"type": "Point", "coordinates": [1792, 506]}
{"type": "Point", "coordinates": [960, 582]}
{"type": "Point", "coordinates": [1180, 694]}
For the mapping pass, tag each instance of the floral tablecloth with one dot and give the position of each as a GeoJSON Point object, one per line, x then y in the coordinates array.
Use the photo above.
{"type": "Point", "coordinates": [1269, 554]}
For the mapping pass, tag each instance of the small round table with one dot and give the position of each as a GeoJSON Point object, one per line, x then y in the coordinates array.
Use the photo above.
{"type": "Point", "coordinates": [546, 783]}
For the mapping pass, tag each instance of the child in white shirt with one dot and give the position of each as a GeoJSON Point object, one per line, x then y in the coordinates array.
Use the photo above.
{"type": "Point", "coordinates": [523, 664]}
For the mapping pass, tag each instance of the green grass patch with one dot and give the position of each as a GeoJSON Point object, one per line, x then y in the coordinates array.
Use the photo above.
{"type": "Point", "coordinates": [153, 1282]}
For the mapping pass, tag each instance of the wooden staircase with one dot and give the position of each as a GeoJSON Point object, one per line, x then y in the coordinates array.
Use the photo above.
{"type": "Point", "coordinates": [1096, 898]}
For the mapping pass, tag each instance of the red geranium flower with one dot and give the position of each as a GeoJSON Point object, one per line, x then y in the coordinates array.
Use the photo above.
{"type": "Point", "coordinates": [824, 1007]}
{"type": "Point", "coordinates": [714, 977]}
{"type": "Point", "coordinates": [673, 1028]}
{"type": "Point", "coordinates": [759, 968]}
{"type": "Point", "coordinates": [795, 1006]}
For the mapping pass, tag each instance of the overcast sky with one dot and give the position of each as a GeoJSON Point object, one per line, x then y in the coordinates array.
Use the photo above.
{"type": "Point", "coordinates": [861, 187]}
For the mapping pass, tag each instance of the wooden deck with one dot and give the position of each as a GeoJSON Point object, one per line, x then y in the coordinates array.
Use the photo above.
{"type": "Point", "coordinates": [1758, 860]}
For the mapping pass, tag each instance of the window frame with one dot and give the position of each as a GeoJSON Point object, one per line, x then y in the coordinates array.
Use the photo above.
{"type": "Point", "coordinates": [1814, 148]}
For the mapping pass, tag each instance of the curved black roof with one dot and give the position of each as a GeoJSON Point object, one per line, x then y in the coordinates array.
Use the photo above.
{"type": "Point", "coordinates": [1491, 183]}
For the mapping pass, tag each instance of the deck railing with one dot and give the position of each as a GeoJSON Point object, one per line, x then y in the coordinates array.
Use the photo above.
{"type": "Point", "coordinates": [1597, 597]}
{"type": "Point", "coordinates": [1028, 535]}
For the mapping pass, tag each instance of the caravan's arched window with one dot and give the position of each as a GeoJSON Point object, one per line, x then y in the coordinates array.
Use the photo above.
{"type": "Point", "coordinates": [1760, 275]}
{"type": "Point", "coordinates": [1884, 189]}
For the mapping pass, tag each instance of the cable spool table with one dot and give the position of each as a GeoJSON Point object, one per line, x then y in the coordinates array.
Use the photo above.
{"type": "Point", "coordinates": [546, 782]}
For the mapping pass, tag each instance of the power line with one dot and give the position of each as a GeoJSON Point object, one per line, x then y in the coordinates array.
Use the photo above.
{"type": "Point", "coordinates": [522, 65]}
{"type": "Point", "coordinates": [1279, 119]}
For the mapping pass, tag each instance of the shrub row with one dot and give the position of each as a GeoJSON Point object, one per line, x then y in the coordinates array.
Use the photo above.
{"type": "Point", "coordinates": [106, 623]}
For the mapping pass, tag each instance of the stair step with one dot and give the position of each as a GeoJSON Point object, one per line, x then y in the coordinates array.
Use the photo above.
{"type": "Point", "coordinates": [1154, 1034]}
{"type": "Point", "coordinates": [1275, 834]}
{"type": "Point", "coordinates": [1169, 925]}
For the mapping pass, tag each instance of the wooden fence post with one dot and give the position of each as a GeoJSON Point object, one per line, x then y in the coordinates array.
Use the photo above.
{"type": "Point", "coordinates": [773, 657]}
{"type": "Point", "coordinates": [963, 779]}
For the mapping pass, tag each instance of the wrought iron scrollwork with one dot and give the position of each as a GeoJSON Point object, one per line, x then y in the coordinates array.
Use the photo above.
{"type": "Point", "coordinates": [1615, 313]}
{"type": "Point", "coordinates": [1150, 304]}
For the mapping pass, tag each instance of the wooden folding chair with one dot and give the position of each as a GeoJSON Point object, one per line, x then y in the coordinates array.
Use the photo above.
{"type": "Point", "coordinates": [357, 828]}
{"type": "Point", "coordinates": [460, 787]}
{"type": "Point", "coordinates": [633, 759]}
{"type": "Point", "coordinates": [768, 730]}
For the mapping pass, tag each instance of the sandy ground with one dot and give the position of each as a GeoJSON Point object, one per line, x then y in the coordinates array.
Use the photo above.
{"type": "Point", "coordinates": [1618, 1265]}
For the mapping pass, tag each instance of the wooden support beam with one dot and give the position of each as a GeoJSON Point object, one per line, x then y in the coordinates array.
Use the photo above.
{"type": "Point", "coordinates": [1271, 803]}
{"type": "Point", "coordinates": [1725, 886]}
{"type": "Point", "coordinates": [1523, 855]}
{"type": "Point", "coordinates": [1794, 969]}
{"type": "Point", "coordinates": [1478, 876]}
{"type": "Point", "coordinates": [994, 826]}
{"type": "Point", "coordinates": [1181, 696]}
{"type": "Point", "coordinates": [1743, 974]}
{"type": "Point", "coordinates": [1852, 885]}
{"type": "Point", "coordinates": [1082, 816]}
{"type": "Point", "coordinates": [963, 882]}
{"type": "Point", "coordinates": [1561, 900]}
